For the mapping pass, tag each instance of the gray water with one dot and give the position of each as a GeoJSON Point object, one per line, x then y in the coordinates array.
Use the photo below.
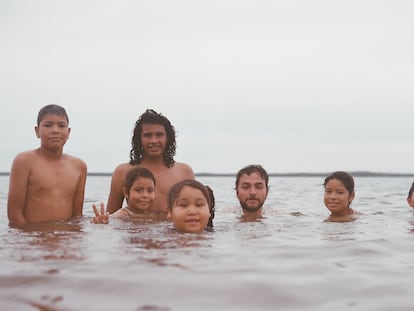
{"type": "Point", "coordinates": [289, 260]}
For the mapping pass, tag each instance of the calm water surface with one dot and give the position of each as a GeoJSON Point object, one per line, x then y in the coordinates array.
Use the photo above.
{"type": "Point", "coordinates": [290, 260]}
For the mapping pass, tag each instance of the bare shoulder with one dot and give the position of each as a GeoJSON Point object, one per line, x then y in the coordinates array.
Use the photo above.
{"type": "Point", "coordinates": [119, 173]}
{"type": "Point", "coordinates": [75, 161]}
{"type": "Point", "coordinates": [26, 155]}
{"type": "Point", "coordinates": [25, 160]}
{"type": "Point", "coordinates": [122, 168]}
{"type": "Point", "coordinates": [184, 168]}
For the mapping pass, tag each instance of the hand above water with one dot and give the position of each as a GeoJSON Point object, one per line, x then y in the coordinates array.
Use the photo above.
{"type": "Point", "coordinates": [101, 217]}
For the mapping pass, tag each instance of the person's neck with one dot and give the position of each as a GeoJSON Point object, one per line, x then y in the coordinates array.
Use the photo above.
{"type": "Point", "coordinates": [50, 154]}
{"type": "Point", "coordinates": [255, 214]}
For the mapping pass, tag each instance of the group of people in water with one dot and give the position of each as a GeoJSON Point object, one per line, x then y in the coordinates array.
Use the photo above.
{"type": "Point", "coordinates": [47, 184]}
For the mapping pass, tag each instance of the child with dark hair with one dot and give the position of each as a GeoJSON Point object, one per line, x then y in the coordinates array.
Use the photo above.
{"type": "Point", "coordinates": [139, 192]}
{"type": "Point", "coordinates": [410, 197]}
{"type": "Point", "coordinates": [47, 184]}
{"type": "Point", "coordinates": [338, 196]}
{"type": "Point", "coordinates": [191, 206]}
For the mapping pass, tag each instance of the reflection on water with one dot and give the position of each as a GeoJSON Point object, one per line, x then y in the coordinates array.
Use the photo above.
{"type": "Point", "coordinates": [46, 240]}
{"type": "Point", "coordinates": [173, 240]}
{"type": "Point", "coordinates": [346, 218]}
{"type": "Point", "coordinates": [290, 259]}
{"type": "Point", "coordinates": [411, 223]}
{"type": "Point", "coordinates": [343, 232]}
{"type": "Point", "coordinates": [52, 227]}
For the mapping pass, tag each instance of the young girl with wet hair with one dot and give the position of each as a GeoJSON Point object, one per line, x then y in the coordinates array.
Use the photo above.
{"type": "Point", "coordinates": [338, 196]}
{"type": "Point", "coordinates": [139, 192]}
{"type": "Point", "coordinates": [410, 197]}
{"type": "Point", "coordinates": [191, 206]}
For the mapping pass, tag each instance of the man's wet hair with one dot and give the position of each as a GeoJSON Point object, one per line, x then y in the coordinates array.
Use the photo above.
{"type": "Point", "coordinates": [253, 168]}
{"type": "Point", "coordinates": [152, 117]}
{"type": "Point", "coordinates": [51, 109]}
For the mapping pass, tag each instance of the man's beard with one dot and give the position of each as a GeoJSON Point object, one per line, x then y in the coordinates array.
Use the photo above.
{"type": "Point", "coordinates": [249, 209]}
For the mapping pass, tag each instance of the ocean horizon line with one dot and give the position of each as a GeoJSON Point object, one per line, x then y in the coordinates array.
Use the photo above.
{"type": "Point", "coordinates": [274, 174]}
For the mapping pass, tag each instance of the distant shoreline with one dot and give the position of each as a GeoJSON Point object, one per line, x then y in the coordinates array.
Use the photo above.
{"type": "Point", "coordinates": [299, 174]}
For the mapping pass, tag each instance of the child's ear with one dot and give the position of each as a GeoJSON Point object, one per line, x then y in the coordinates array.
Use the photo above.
{"type": "Point", "coordinates": [410, 202]}
{"type": "Point", "coordinates": [352, 197]}
{"type": "Point", "coordinates": [169, 216]}
{"type": "Point", "coordinates": [37, 131]}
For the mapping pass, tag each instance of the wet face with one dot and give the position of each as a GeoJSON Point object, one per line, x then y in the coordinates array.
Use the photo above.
{"type": "Point", "coordinates": [337, 198]}
{"type": "Point", "coordinates": [251, 192]}
{"type": "Point", "coordinates": [190, 212]}
{"type": "Point", "coordinates": [153, 139]}
{"type": "Point", "coordinates": [141, 195]}
{"type": "Point", "coordinates": [53, 131]}
{"type": "Point", "coordinates": [410, 200]}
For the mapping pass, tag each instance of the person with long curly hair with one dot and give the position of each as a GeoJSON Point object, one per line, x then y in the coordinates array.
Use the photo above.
{"type": "Point", "coordinates": [153, 147]}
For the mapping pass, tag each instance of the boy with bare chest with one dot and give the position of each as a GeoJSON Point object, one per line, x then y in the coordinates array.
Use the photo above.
{"type": "Point", "coordinates": [47, 184]}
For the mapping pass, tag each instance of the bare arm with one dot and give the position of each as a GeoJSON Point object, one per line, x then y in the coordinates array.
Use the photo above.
{"type": "Point", "coordinates": [116, 195]}
{"type": "Point", "coordinates": [80, 191]}
{"type": "Point", "coordinates": [18, 184]}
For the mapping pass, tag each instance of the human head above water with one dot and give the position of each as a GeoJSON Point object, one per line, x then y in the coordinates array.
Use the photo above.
{"type": "Point", "coordinates": [206, 191]}
{"type": "Point", "coordinates": [152, 117]}
{"type": "Point", "coordinates": [410, 197]}
{"type": "Point", "coordinates": [134, 174]}
{"type": "Point", "coordinates": [410, 192]}
{"type": "Point", "coordinates": [248, 170]}
{"type": "Point", "coordinates": [344, 177]}
{"type": "Point", "coordinates": [53, 110]}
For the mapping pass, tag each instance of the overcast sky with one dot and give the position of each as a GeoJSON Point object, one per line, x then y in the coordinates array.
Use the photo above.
{"type": "Point", "coordinates": [297, 86]}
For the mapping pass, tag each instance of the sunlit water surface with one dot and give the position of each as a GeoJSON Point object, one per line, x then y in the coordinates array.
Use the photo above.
{"type": "Point", "coordinates": [289, 260]}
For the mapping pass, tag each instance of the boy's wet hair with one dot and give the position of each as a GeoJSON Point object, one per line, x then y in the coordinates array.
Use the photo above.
{"type": "Point", "coordinates": [253, 168]}
{"type": "Point", "coordinates": [136, 172]}
{"type": "Point", "coordinates": [344, 177]}
{"type": "Point", "coordinates": [410, 192]}
{"type": "Point", "coordinates": [152, 117]}
{"type": "Point", "coordinates": [51, 109]}
{"type": "Point", "coordinates": [206, 190]}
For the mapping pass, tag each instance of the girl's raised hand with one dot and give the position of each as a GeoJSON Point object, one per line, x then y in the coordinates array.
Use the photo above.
{"type": "Point", "coordinates": [101, 217]}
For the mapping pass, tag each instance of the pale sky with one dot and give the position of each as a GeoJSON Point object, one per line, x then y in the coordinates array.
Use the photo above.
{"type": "Point", "coordinates": [297, 86]}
